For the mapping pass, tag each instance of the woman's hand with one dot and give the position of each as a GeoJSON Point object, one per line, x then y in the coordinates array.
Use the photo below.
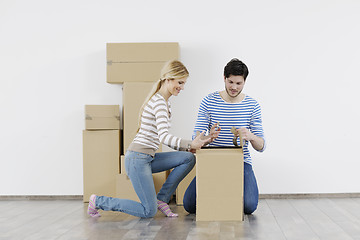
{"type": "Point", "coordinates": [202, 140]}
{"type": "Point", "coordinates": [198, 142]}
{"type": "Point", "coordinates": [214, 132]}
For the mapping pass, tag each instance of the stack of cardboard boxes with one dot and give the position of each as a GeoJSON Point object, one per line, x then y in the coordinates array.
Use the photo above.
{"type": "Point", "coordinates": [101, 149]}
{"type": "Point", "coordinates": [137, 67]}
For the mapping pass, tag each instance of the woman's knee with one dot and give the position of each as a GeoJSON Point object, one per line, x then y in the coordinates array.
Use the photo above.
{"type": "Point", "coordinates": [190, 158]}
{"type": "Point", "coordinates": [150, 211]}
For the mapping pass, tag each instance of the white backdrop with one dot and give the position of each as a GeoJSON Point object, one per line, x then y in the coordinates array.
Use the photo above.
{"type": "Point", "coordinates": [303, 58]}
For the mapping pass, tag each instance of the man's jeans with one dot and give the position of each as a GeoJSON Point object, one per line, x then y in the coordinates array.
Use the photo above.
{"type": "Point", "coordinates": [139, 168]}
{"type": "Point", "coordinates": [251, 192]}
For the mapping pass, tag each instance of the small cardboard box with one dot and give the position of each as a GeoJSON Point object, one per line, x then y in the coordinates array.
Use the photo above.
{"type": "Point", "coordinates": [138, 62]}
{"type": "Point", "coordinates": [124, 188]}
{"type": "Point", "coordinates": [102, 117]}
{"type": "Point", "coordinates": [134, 96]}
{"type": "Point", "coordinates": [159, 178]}
{"type": "Point", "coordinates": [101, 151]}
{"type": "Point", "coordinates": [183, 185]}
{"type": "Point", "coordinates": [122, 165]}
{"type": "Point", "coordinates": [219, 184]}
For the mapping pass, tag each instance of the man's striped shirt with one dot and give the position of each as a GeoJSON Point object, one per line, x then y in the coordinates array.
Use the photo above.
{"type": "Point", "coordinates": [246, 113]}
{"type": "Point", "coordinates": [154, 128]}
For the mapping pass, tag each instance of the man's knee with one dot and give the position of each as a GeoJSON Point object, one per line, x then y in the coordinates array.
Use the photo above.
{"type": "Point", "coordinates": [189, 200]}
{"type": "Point", "coordinates": [250, 206]}
{"type": "Point", "coordinates": [189, 206]}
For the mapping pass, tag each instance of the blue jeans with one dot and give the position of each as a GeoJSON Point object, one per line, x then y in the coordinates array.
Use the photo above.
{"type": "Point", "coordinates": [139, 168]}
{"type": "Point", "coordinates": [251, 192]}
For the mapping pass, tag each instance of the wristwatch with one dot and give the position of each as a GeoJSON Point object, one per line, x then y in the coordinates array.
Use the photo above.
{"type": "Point", "coordinates": [188, 147]}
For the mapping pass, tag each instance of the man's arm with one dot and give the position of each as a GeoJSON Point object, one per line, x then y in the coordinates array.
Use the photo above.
{"type": "Point", "coordinates": [256, 142]}
{"type": "Point", "coordinates": [257, 138]}
{"type": "Point", "coordinates": [203, 119]}
{"type": "Point", "coordinates": [203, 124]}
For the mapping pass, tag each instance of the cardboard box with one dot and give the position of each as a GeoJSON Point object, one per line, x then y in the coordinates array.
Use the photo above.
{"type": "Point", "coordinates": [122, 165]}
{"type": "Point", "coordinates": [134, 96]}
{"type": "Point", "coordinates": [138, 62]}
{"type": "Point", "coordinates": [183, 185]}
{"type": "Point", "coordinates": [124, 188]}
{"type": "Point", "coordinates": [142, 52]}
{"type": "Point", "coordinates": [134, 72]}
{"type": "Point", "coordinates": [159, 178]}
{"type": "Point", "coordinates": [102, 117]}
{"type": "Point", "coordinates": [219, 184]}
{"type": "Point", "coordinates": [101, 152]}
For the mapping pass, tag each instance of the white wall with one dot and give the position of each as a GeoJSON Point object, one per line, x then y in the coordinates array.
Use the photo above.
{"type": "Point", "coordinates": [303, 59]}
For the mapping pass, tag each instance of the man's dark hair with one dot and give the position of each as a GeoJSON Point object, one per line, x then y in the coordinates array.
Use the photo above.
{"type": "Point", "coordinates": [237, 68]}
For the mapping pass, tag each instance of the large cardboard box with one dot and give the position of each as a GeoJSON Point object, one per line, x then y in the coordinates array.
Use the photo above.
{"type": "Point", "coordinates": [102, 117]}
{"type": "Point", "coordinates": [134, 72]}
{"type": "Point", "coordinates": [142, 51]}
{"type": "Point", "coordinates": [101, 152]}
{"type": "Point", "coordinates": [183, 185]}
{"type": "Point", "coordinates": [159, 178]}
{"type": "Point", "coordinates": [138, 62]}
{"type": "Point", "coordinates": [219, 184]}
{"type": "Point", "coordinates": [134, 96]}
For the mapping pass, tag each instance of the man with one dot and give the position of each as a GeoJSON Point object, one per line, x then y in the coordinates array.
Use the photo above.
{"type": "Point", "coordinates": [231, 107]}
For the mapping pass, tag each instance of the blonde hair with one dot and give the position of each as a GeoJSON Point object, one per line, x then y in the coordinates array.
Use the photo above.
{"type": "Point", "coordinates": [171, 70]}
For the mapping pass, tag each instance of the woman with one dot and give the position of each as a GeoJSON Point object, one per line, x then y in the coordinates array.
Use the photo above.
{"type": "Point", "coordinates": [141, 160]}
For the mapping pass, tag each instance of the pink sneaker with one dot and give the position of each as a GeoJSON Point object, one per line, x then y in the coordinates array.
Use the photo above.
{"type": "Point", "coordinates": [92, 211]}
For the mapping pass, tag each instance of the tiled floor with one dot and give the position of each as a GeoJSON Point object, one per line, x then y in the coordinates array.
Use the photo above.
{"type": "Point", "coordinates": [323, 218]}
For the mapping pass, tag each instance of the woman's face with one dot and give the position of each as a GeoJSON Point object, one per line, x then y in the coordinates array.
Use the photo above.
{"type": "Point", "coordinates": [176, 85]}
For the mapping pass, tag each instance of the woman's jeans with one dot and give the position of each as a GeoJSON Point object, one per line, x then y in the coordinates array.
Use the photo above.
{"type": "Point", "coordinates": [139, 168]}
{"type": "Point", "coordinates": [251, 192]}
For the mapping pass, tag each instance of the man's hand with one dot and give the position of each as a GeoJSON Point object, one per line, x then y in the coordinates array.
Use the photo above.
{"type": "Point", "coordinates": [246, 134]}
{"type": "Point", "coordinates": [256, 142]}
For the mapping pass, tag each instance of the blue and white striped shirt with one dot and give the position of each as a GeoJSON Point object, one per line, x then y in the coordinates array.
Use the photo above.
{"type": "Point", "coordinates": [246, 113]}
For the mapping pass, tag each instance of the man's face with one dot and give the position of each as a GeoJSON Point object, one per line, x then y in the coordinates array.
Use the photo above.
{"type": "Point", "coordinates": [234, 85]}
